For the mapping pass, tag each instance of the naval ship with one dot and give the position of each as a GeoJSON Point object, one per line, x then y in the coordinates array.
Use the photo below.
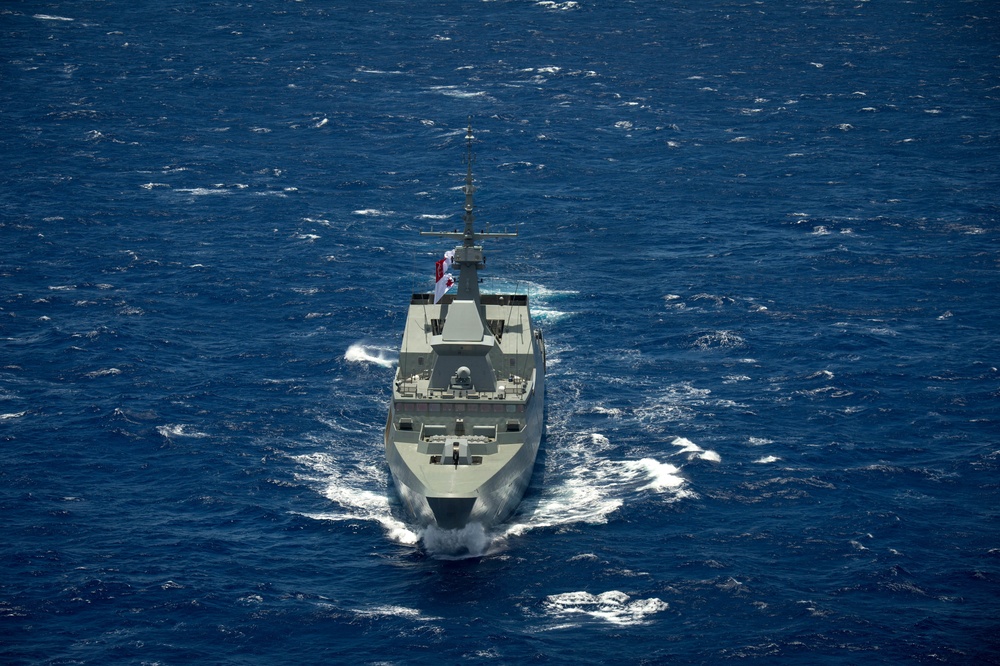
{"type": "Point", "coordinates": [468, 400]}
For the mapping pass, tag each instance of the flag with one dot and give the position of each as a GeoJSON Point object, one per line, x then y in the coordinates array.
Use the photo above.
{"type": "Point", "coordinates": [443, 285]}
{"type": "Point", "coordinates": [442, 278]}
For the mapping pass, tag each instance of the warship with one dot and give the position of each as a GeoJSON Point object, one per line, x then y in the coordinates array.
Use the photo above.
{"type": "Point", "coordinates": [468, 400]}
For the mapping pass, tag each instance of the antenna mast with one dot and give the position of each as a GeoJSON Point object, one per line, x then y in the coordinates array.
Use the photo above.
{"type": "Point", "coordinates": [469, 256]}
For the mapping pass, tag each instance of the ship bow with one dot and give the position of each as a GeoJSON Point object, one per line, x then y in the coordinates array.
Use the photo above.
{"type": "Point", "coordinates": [451, 513]}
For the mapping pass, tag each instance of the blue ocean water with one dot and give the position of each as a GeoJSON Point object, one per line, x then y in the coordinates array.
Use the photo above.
{"type": "Point", "coordinates": [761, 238]}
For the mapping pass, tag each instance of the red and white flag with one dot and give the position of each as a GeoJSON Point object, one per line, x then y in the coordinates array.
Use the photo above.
{"type": "Point", "coordinates": [443, 280]}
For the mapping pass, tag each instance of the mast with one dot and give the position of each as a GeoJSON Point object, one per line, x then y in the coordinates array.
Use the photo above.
{"type": "Point", "coordinates": [469, 256]}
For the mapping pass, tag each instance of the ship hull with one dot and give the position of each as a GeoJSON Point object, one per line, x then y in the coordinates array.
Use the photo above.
{"type": "Point", "coordinates": [468, 400]}
{"type": "Point", "coordinates": [489, 502]}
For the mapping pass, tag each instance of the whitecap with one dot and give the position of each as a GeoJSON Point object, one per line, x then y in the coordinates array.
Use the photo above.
{"type": "Point", "coordinates": [104, 372]}
{"type": "Point", "coordinates": [767, 460]}
{"type": "Point", "coordinates": [12, 415]}
{"type": "Point", "coordinates": [662, 476]}
{"type": "Point", "coordinates": [202, 191]}
{"type": "Point", "coordinates": [674, 403]}
{"type": "Point", "coordinates": [614, 412]}
{"type": "Point", "coordinates": [560, 6]}
{"type": "Point", "coordinates": [589, 488]}
{"type": "Point", "coordinates": [547, 315]}
{"type": "Point", "coordinates": [372, 212]}
{"type": "Point", "coordinates": [49, 17]}
{"type": "Point", "coordinates": [614, 607]}
{"type": "Point", "coordinates": [179, 430]}
{"type": "Point", "coordinates": [719, 339]}
{"type": "Point", "coordinates": [358, 353]}
{"type": "Point", "coordinates": [695, 451]}
{"type": "Point", "coordinates": [389, 610]}
{"type": "Point", "coordinates": [463, 94]}
{"type": "Point", "coordinates": [351, 488]}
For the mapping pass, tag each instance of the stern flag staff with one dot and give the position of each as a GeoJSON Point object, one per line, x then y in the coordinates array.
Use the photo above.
{"type": "Point", "coordinates": [442, 278]}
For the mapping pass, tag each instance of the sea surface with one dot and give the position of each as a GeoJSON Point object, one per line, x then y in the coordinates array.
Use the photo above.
{"type": "Point", "coordinates": [761, 238]}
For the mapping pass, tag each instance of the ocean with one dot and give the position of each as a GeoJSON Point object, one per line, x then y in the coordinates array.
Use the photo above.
{"type": "Point", "coordinates": [761, 239]}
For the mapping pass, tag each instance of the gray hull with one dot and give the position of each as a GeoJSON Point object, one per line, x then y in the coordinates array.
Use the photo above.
{"type": "Point", "coordinates": [474, 495]}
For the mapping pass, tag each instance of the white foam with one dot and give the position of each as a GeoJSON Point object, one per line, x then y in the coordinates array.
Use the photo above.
{"type": "Point", "coordinates": [719, 339]}
{"type": "Point", "coordinates": [394, 611]}
{"type": "Point", "coordinates": [48, 17]}
{"type": "Point", "coordinates": [588, 487]}
{"type": "Point", "coordinates": [470, 541]}
{"type": "Point", "coordinates": [353, 490]}
{"type": "Point", "coordinates": [614, 412]}
{"type": "Point", "coordinates": [695, 451]}
{"type": "Point", "coordinates": [675, 402]}
{"type": "Point", "coordinates": [358, 353]}
{"type": "Point", "coordinates": [203, 191]}
{"type": "Point", "coordinates": [373, 212]}
{"type": "Point", "coordinates": [12, 415]}
{"type": "Point", "coordinates": [766, 460]}
{"type": "Point", "coordinates": [663, 475]}
{"type": "Point", "coordinates": [560, 6]}
{"type": "Point", "coordinates": [179, 430]}
{"type": "Point", "coordinates": [105, 372]}
{"type": "Point", "coordinates": [547, 315]}
{"type": "Point", "coordinates": [614, 607]}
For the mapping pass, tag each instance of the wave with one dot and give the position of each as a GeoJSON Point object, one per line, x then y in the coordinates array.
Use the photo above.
{"type": "Point", "coordinates": [588, 490]}
{"type": "Point", "coordinates": [359, 492]}
{"type": "Point", "coordinates": [694, 451]}
{"type": "Point", "coordinates": [179, 430]}
{"type": "Point", "coordinates": [613, 607]}
{"type": "Point", "coordinates": [589, 487]}
{"type": "Point", "coordinates": [359, 353]}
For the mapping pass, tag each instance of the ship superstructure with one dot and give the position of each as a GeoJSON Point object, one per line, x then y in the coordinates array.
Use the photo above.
{"type": "Point", "coordinates": [467, 410]}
